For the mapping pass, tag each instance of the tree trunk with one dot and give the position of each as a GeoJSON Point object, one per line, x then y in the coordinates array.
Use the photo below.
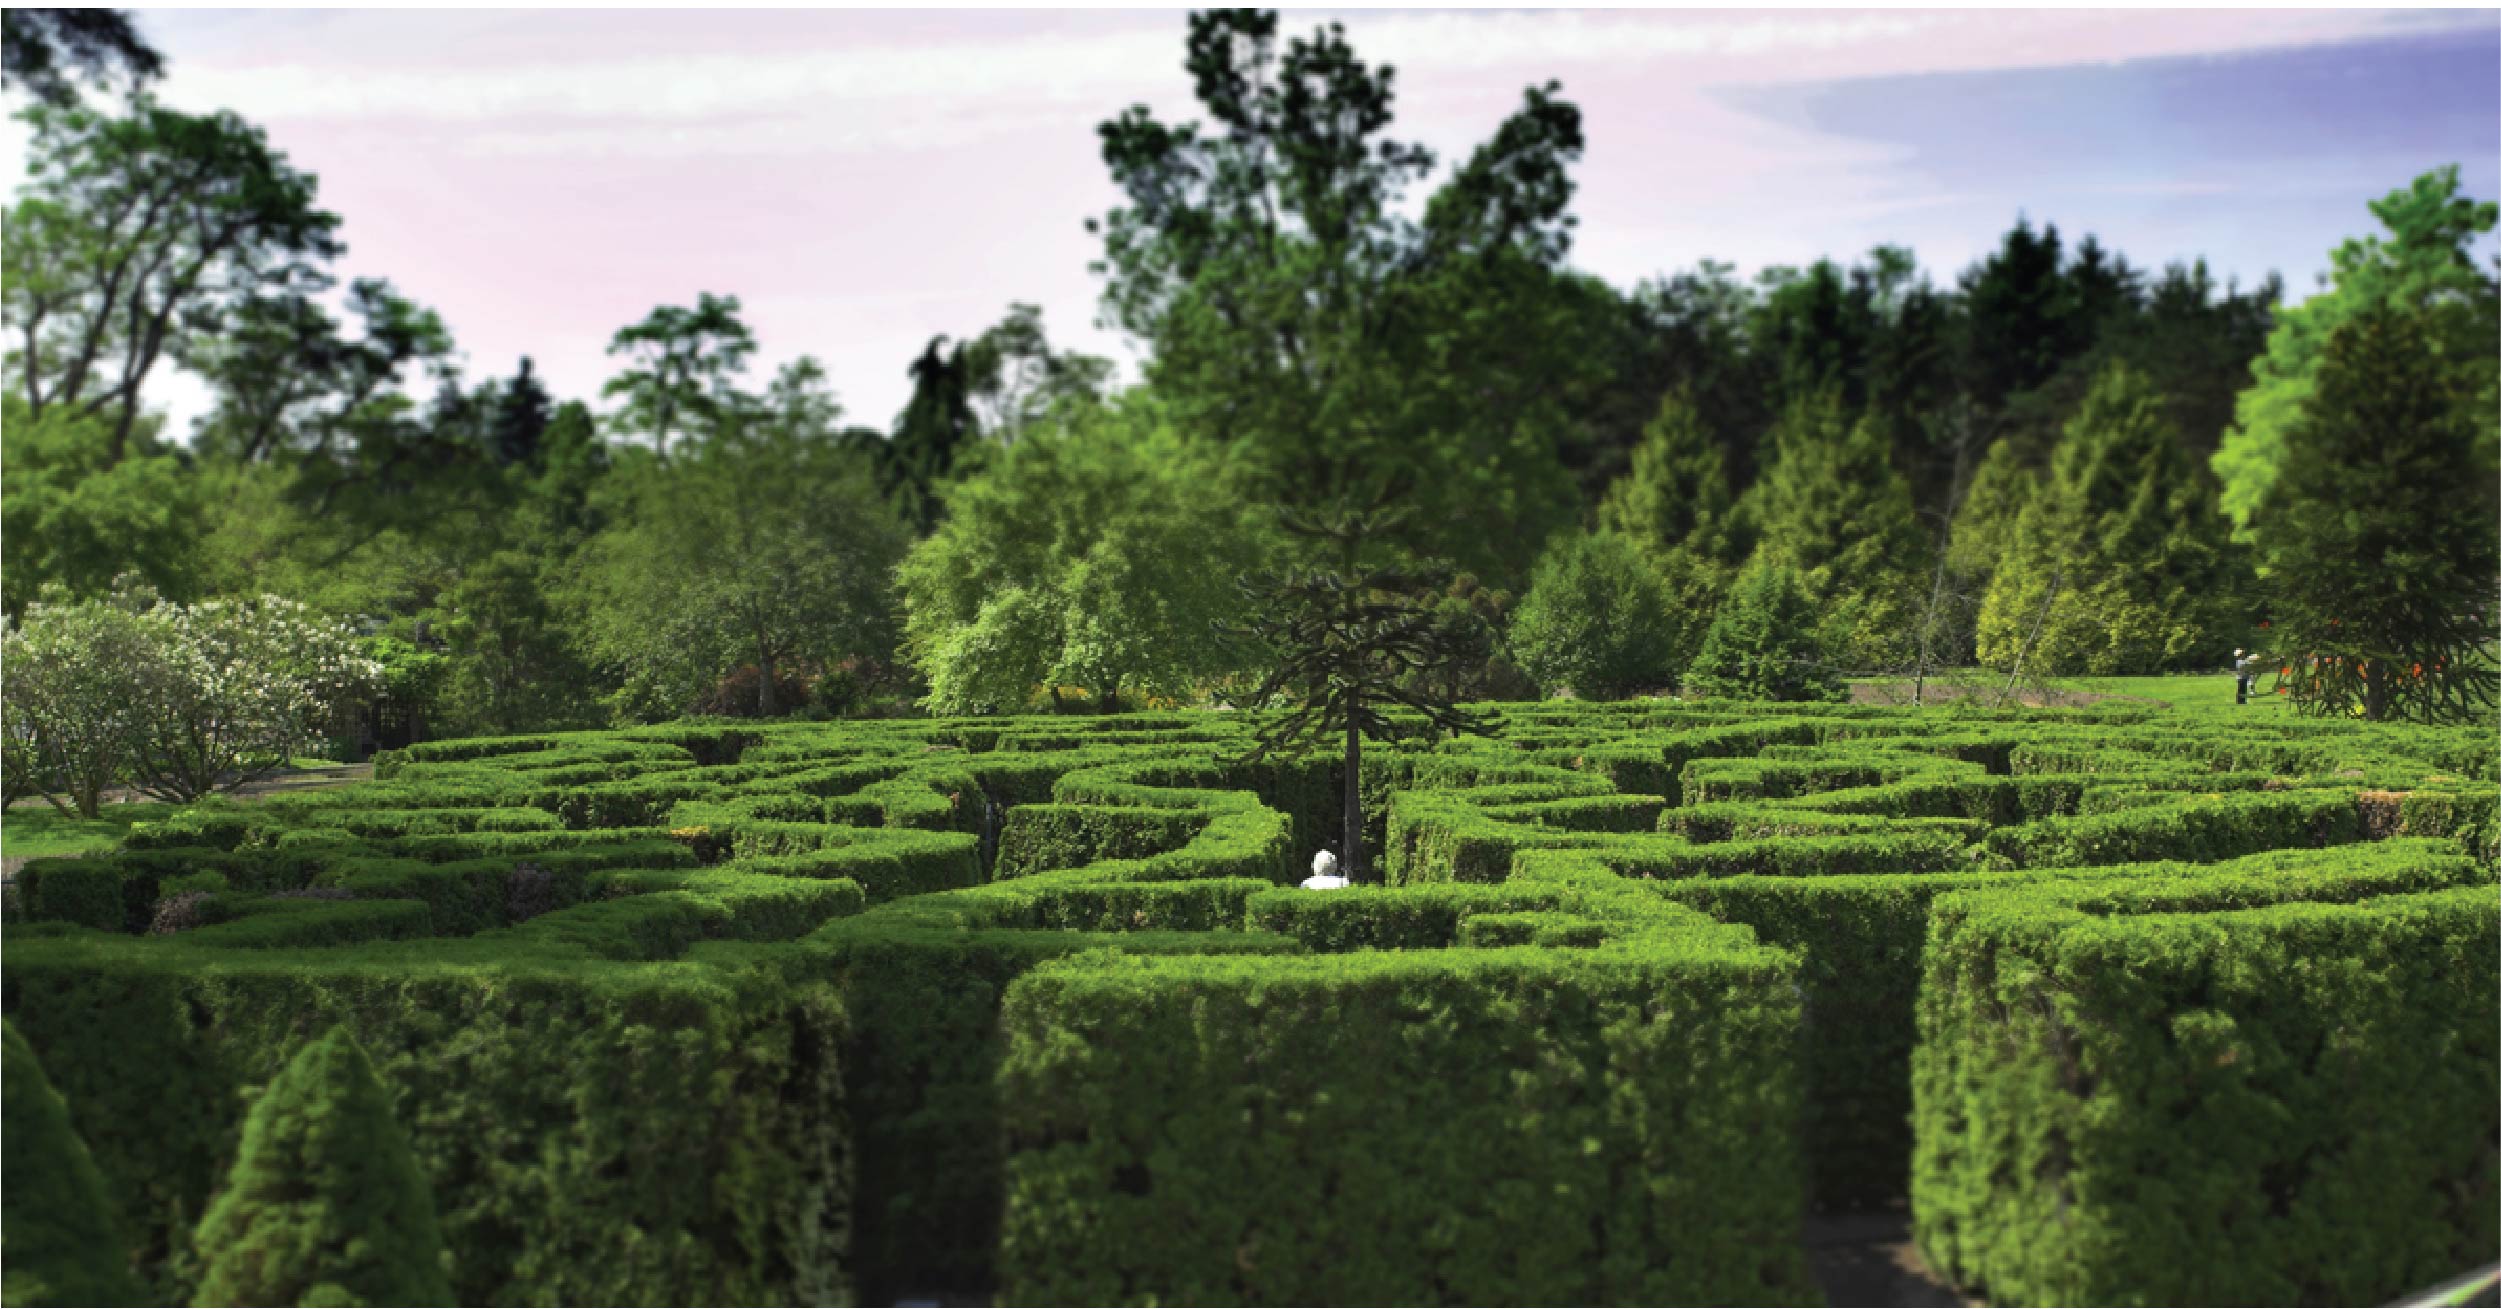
{"type": "Point", "coordinates": [2375, 690]}
{"type": "Point", "coordinates": [1110, 703]}
{"type": "Point", "coordinates": [767, 702]}
{"type": "Point", "coordinates": [1354, 801]}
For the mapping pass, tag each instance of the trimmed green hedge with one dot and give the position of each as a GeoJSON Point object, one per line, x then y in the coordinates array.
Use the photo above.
{"type": "Point", "coordinates": [598, 1135]}
{"type": "Point", "coordinates": [1594, 1126]}
{"type": "Point", "coordinates": [804, 1012]}
{"type": "Point", "coordinates": [2156, 1094]}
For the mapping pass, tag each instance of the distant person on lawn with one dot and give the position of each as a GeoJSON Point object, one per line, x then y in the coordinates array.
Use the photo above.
{"type": "Point", "coordinates": [2244, 671]}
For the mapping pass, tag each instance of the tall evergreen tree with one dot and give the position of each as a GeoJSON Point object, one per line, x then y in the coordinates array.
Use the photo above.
{"type": "Point", "coordinates": [60, 1242]}
{"type": "Point", "coordinates": [2377, 530]}
{"type": "Point", "coordinates": [1676, 507]}
{"type": "Point", "coordinates": [1765, 643]}
{"type": "Point", "coordinates": [1834, 508]}
{"type": "Point", "coordinates": [934, 427]}
{"type": "Point", "coordinates": [2016, 311]}
{"type": "Point", "coordinates": [522, 412]}
{"type": "Point", "coordinates": [2120, 562]}
{"type": "Point", "coordinates": [2425, 262]}
{"type": "Point", "coordinates": [1984, 524]}
{"type": "Point", "coordinates": [325, 1204]}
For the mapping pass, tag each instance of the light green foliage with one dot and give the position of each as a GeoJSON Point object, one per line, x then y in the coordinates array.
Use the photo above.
{"type": "Point", "coordinates": [1984, 524]}
{"type": "Point", "coordinates": [63, 1244]}
{"type": "Point", "coordinates": [1597, 620]}
{"type": "Point", "coordinates": [2377, 532]}
{"type": "Point", "coordinates": [1834, 508]}
{"type": "Point", "coordinates": [2424, 262]}
{"type": "Point", "coordinates": [325, 1204]}
{"type": "Point", "coordinates": [1765, 643]}
{"type": "Point", "coordinates": [1097, 552]}
{"type": "Point", "coordinates": [1676, 505]}
{"type": "Point", "coordinates": [762, 543]}
{"type": "Point", "coordinates": [2126, 527]}
{"type": "Point", "coordinates": [72, 516]}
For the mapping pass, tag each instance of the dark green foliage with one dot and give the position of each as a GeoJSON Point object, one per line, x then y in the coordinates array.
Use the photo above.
{"type": "Point", "coordinates": [40, 49]}
{"type": "Point", "coordinates": [2155, 1094]}
{"type": "Point", "coordinates": [63, 1242]}
{"type": "Point", "coordinates": [1597, 620]}
{"type": "Point", "coordinates": [1039, 838]}
{"type": "Point", "coordinates": [1765, 643]}
{"type": "Point", "coordinates": [2377, 532]}
{"type": "Point", "coordinates": [325, 1204]}
{"type": "Point", "coordinates": [1496, 1125]}
{"type": "Point", "coordinates": [551, 1104]}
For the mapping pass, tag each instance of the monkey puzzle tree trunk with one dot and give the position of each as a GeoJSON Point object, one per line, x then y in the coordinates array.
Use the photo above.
{"type": "Point", "coordinates": [2375, 690]}
{"type": "Point", "coordinates": [1354, 800]}
{"type": "Point", "coordinates": [767, 695]}
{"type": "Point", "coordinates": [1350, 646]}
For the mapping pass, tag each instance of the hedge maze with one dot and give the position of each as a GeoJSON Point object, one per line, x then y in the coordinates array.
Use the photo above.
{"type": "Point", "coordinates": [2125, 1005]}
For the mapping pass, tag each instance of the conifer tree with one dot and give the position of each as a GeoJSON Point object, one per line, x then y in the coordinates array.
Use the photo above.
{"type": "Point", "coordinates": [325, 1204]}
{"type": "Point", "coordinates": [1984, 524]}
{"type": "Point", "coordinates": [2121, 562]}
{"type": "Point", "coordinates": [1675, 506]}
{"type": "Point", "coordinates": [1764, 645]}
{"type": "Point", "coordinates": [2377, 530]}
{"type": "Point", "coordinates": [59, 1240]}
{"type": "Point", "coordinates": [1834, 508]}
{"type": "Point", "coordinates": [1596, 619]}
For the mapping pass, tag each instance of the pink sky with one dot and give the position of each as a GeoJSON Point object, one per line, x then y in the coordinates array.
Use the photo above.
{"type": "Point", "coordinates": [865, 180]}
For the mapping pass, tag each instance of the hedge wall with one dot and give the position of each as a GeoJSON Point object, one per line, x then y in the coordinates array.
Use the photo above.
{"type": "Point", "coordinates": [2154, 1094]}
{"type": "Point", "coordinates": [956, 1009]}
{"type": "Point", "coordinates": [1607, 1126]}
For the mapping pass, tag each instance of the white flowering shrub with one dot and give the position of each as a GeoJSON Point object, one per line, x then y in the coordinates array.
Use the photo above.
{"type": "Point", "coordinates": [176, 700]}
{"type": "Point", "coordinates": [66, 704]}
{"type": "Point", "coordinates": [237, 688]}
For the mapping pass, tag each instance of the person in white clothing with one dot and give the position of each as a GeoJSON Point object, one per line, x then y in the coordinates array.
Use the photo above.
{"type": "Point", "coordinates": [1323, 873]}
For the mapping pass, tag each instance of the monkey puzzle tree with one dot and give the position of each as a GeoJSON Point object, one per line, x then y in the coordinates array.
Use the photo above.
{"type": "Point", "coordinates": [1350, 642]}
{"type": "Point", "coordinates": [2376, 530]}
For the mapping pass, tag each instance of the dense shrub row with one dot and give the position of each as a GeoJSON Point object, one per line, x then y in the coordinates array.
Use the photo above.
{"type": "Point", "coordinates": [957, 1008]}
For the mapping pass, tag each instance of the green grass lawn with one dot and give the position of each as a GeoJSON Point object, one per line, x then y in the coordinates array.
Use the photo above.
{"type": "Point", "coordinates": [2179, 690]}
{"type": "Point", "coordinates": [40, 831]}
{"type": "Point", "coordinates": [2184, 690]}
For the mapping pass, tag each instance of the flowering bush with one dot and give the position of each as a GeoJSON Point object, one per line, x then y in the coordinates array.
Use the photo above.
{"type": "Point", "coordinates": [66, 671]}
{"type": "Point", "coordinates": [237, 688]}
{"type": "Point", "coordinates": [178, 700]}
